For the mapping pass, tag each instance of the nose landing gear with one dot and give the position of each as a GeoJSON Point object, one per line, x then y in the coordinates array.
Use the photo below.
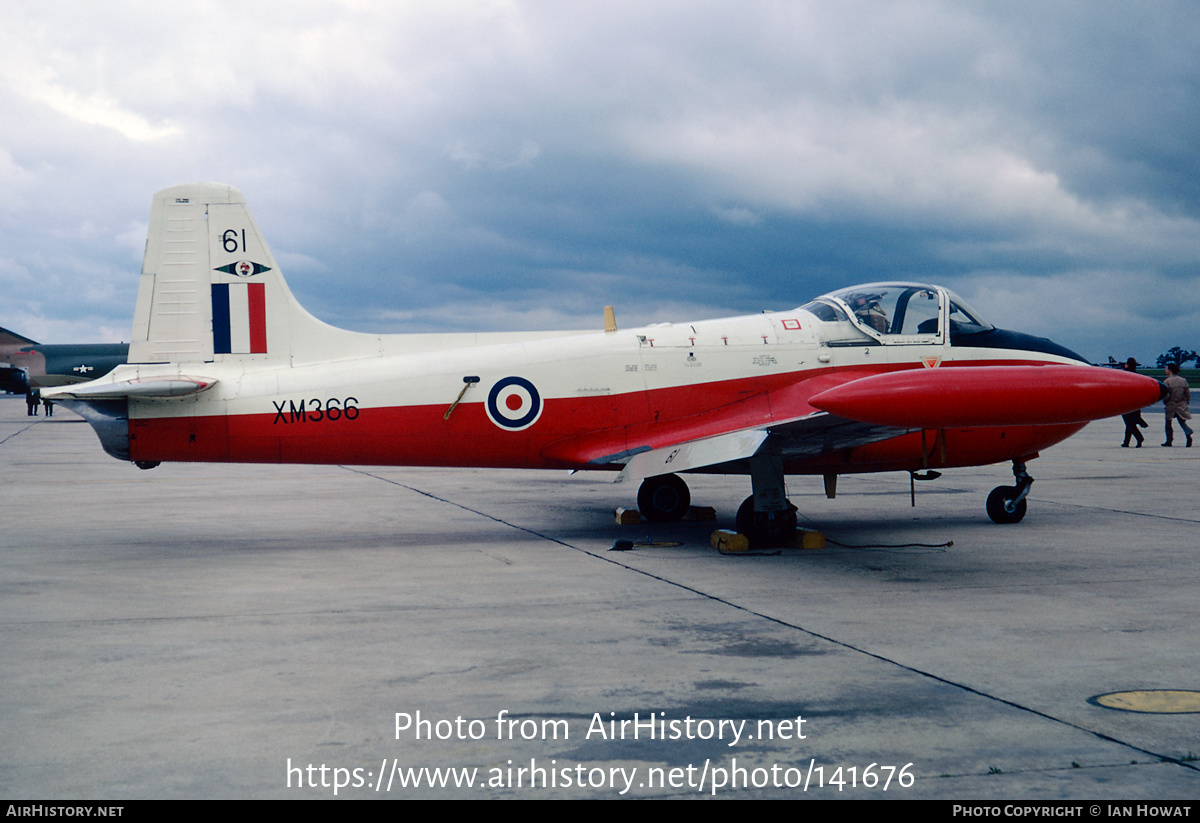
{"type": "Point", "coordinates": [1006, 504]}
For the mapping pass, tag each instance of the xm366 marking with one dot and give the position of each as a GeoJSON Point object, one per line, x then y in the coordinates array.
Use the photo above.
{"type": "Point", "coordinates": [314, 410]}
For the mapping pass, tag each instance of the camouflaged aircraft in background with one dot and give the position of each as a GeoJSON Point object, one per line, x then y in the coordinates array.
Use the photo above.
{"type": "Point", "coordinates": [26, 365]}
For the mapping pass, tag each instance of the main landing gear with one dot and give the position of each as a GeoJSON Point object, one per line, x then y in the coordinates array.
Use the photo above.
{"type": "Point", "coordinates": [767, 517]}
{"type": "Point", "coordinates": [1006, 504]}
{"type": "Point", "coordinates": [772, 529]}
{"type": "Point", "coordinates": [664, 499]}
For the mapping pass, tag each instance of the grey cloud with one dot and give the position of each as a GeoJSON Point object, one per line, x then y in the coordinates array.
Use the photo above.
{"type": "Point", "coordinates": [484, 164]}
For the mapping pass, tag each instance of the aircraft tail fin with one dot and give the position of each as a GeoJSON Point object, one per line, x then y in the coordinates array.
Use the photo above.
{"type": "Point", "coordinates": [211, 291]}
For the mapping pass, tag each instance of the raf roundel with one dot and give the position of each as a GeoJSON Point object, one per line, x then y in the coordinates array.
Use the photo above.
{"type": "Point", "coordinates": [514, 404]}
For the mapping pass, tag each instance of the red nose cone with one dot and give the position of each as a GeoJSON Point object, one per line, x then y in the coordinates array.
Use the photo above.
{"type": "Point", "coordinates": [956, 396]}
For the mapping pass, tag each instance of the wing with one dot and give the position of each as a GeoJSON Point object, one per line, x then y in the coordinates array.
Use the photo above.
{"type": "Point", "coordinates": [844, 410]}
{"type": "Point", "coordinates": [813, 434]}
{"type": "Point", "coordinates": [780, 422]}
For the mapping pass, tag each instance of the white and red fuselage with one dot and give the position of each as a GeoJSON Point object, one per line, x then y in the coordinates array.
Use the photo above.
{"type": "Point", "coordinates": [572, 400]}
{"type": "Point", "coordinates": [225, 366]}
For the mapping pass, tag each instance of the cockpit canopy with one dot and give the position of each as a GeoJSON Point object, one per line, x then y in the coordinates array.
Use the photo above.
{"type": "Point", "coordinates": [899, 312]}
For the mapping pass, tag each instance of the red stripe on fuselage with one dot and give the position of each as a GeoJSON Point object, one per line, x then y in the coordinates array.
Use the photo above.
{"type": "Point", "coordinates": [417, 436]}
{"type": "Point", "coordinates": [570, 432]}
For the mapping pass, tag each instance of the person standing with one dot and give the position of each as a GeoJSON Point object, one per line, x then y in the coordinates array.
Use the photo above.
{"type": "Point", "coordinates": [1133, 420]}
{"type": "Point", "coordinates": [1179, 395]}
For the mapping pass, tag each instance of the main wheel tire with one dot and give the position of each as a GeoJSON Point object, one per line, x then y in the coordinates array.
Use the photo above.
{"type": "Point", "coordinates": [766, 530]}
{"type": "Point", "coordinates": [744, 521]}
{"type": "Point", "coordinates": [998, 505]}
{"type": "Point", "coordinates": [664, 499]}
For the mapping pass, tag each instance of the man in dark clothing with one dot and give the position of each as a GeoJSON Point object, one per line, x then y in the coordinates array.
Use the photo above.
{"type": "Point", "coordinates": [1133, 420]}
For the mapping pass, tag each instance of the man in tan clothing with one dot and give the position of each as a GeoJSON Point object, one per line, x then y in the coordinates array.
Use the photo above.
{"type": "Point", "coordinates": [1179, 395]}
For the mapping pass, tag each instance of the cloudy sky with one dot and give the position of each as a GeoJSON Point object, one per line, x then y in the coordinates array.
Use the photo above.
{"type": "Point", "coordinates": [517, 165]}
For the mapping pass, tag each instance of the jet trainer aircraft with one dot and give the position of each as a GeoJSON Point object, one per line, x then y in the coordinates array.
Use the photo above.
{"type": "Point", "coordinates": [225, 366]}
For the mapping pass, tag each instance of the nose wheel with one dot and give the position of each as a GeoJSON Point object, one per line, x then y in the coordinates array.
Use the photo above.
{"type": "Point", "coordinates": [1006, 504]}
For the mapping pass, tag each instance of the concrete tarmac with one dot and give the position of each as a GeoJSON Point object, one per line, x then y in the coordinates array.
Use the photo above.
{"type": "Point", "coordinates": [213, 631]}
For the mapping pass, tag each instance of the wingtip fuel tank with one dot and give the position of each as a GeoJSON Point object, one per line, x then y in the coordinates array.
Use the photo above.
{"type": "Point", "coordinates": [960, 396]}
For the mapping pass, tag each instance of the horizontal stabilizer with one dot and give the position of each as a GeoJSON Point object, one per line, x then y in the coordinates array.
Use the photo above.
{"type": "Point", "coordinates": [694, 454]}
{"type": "Point", "coordinates": [963, 396]}
{"type": "Point", "coordinates": [149, 389]}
